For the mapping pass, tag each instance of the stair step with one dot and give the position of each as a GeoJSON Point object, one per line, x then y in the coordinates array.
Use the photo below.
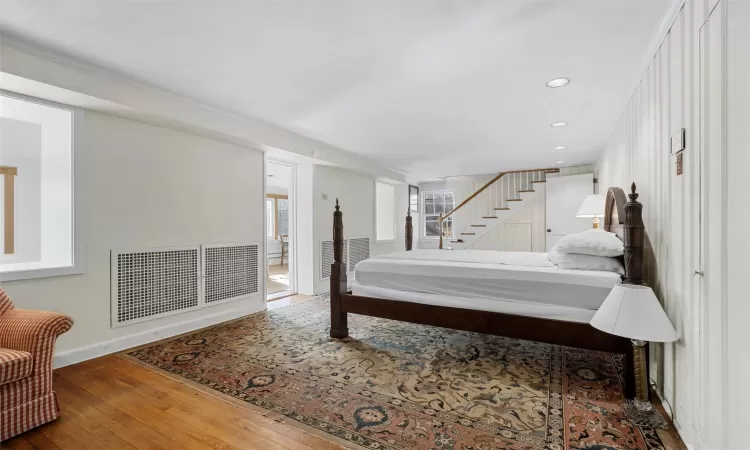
{"type": "Point", "coordinates": [538, 181]}
{"type": "Point", "coordinates": [468, 234]}
{"type": "Point", "coordinates": [514, 200]}
{"type": "Point", "coordinates": [502, 209]}
{"type": "Point", "coordinates": [477, 226]}
{"type": "Point", "coordinates": [489, 217]}
{"type": "Point", "coordinates": [527, 190]}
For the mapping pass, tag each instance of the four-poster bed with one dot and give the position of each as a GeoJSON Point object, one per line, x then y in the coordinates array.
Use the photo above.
{"type": "Point", "coordinates": [621, 217]}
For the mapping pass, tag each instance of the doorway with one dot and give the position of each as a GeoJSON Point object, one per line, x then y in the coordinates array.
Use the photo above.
{"type": "Point", "coordinates": [564, 197]}
{"type": "Point", "coordinates": [279, 230]}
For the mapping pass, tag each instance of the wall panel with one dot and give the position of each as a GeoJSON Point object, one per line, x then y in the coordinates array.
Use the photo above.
{"type": "Point", "coordinates": [638, 151]}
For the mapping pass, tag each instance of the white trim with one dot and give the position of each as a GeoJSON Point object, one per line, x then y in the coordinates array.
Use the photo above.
{"type": "Point", "coordinates": [107, 347]}
{"type": "Point", "coordinates": [77, 148]}
{"type": "Point", "coordinates": [292, 220]}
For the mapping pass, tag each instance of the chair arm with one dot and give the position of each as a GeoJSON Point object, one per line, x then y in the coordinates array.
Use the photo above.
{"type": "Point", "coordinates": [30, 330]}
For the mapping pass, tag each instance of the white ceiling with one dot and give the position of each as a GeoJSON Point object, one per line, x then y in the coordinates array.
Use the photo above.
{"type": "Point", "coordinates": [429, 87]}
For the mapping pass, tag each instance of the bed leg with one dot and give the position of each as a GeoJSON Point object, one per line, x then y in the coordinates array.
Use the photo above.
{"type": "Point", "coordinates": [339, 326]}
{"type": "Point", "coordinates": [629, 373]}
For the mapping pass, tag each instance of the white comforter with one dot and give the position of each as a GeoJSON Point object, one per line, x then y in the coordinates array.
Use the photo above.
{"type": "Point", "coordinates": [527, 259]}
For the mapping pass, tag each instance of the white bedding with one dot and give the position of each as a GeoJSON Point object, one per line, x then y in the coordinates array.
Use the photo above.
{"type": "Point", "coordinates": [513, 282]}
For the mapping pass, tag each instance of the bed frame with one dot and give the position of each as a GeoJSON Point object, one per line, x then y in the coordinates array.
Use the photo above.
{"type": "Point", "coordinates": [621, 217]}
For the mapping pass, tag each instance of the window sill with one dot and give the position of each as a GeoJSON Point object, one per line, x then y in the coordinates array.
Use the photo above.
{"type": "Point", "coordinates": [45, 272]}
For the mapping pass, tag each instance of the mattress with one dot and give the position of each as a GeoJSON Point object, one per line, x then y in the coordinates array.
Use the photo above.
{"type": "Point", "coordinates": [513, 282]}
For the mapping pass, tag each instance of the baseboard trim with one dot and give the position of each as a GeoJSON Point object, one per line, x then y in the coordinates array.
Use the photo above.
{"type": "Point", "coordinates": [687, 435]}
{"type": "Point", "coordinates": [76, 355]}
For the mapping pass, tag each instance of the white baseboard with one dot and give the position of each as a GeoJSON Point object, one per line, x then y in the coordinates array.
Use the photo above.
{"type": "Point", "coordinates": [76, 355]}
{"type": "Point", "coordinates": [687, 433]}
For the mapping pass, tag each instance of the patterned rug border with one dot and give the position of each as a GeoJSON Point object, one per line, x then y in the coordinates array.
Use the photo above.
{"type": "Point", "coordinates": [228, 398]}
{"type": "Point", "coordinates": [294, 420]}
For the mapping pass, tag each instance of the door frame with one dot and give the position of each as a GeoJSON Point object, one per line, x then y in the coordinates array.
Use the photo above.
{"type": "Point", "coordinates": [292, 198]}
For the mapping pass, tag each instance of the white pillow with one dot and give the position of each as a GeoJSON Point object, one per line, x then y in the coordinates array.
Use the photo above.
{"type": "Point", "coordinates": [593, 242]}
{"type": "Point", "coordinates": [586, 262]}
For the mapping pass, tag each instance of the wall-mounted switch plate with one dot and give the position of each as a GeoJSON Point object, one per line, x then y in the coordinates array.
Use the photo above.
{"type": "Point", "coordinates": [324, 195]}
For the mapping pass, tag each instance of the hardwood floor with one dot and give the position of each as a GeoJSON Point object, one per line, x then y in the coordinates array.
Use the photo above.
{"type": "Point", "coordinates": [112, 403]}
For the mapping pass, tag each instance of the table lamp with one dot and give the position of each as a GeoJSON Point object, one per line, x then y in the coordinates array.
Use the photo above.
{"type": "Point", "coordinates": [592, 206]}
{"type": "Point", "coordinates": [634, 312]}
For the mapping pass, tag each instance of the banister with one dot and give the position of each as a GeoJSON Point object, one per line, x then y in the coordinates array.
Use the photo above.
{"type": "Point", "coordinates": [442, 218]}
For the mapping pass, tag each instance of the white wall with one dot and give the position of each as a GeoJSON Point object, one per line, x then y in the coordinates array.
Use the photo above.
{"type": "Point", "coordinates": [703, 376]}
{"type": "Point", "coordinates": [147, 186]}
{"type": "Point", "coordinates": [356, 194]}
{"type": "Point", "coordinates": [738, 216]}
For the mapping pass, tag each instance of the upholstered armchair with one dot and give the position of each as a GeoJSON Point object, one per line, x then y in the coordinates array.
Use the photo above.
{"type": "Point", "coordinates": [27, 341]}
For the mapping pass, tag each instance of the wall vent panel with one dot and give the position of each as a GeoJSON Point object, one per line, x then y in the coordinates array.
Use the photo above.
{"type": "Point", "coordinates": [153, 283]}
{"type": "Point", "coordinates": [326, 257]}
{"type": "Point", "coordinates": [359, 250]}
{"type": "Point", "coordinates": [230, 272]}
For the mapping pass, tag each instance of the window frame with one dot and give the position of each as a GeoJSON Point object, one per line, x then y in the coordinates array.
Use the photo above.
{"type": "Point", "coordinates": [423, 211]}
{"type": "Point", "coordinates": [276, 198]}
{"type": "Point", "coordinates": [395, 233]}
{"type": "Point", "coordinates": [78, 213]}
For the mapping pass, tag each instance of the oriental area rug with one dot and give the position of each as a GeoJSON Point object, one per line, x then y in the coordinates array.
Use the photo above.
{"type": "Point", "coordinates": [394, 385]}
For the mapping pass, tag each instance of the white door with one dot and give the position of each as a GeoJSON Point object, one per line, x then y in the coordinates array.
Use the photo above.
{"type": "Point", "coordinates": [564, 197]}
{"type": "Point", "coordinates": [712, 163]}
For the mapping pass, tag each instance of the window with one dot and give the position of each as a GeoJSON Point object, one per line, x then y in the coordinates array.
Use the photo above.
{"type": "Point", "coordinates": [385, 200]}
{"type": "Point", "coordinates": [437, 203]}
{"type": "Point", "coordinates": [36, 190]}
{"type": "Point", "coordinates": [270, 213]}
{"type": "Point", "coordinates": [282, 216]}
{"type": "Point", "coordinates": [277, 216]}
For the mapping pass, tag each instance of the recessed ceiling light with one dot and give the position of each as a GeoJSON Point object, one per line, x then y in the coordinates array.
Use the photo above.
{"type": "Point", "coordinates": [559, 124]}
{"type": "Point", "coordinates": [558, 82]}
{"type": "Point", "coordinates": [559, 162]}
{"type": "Point", "coordinates": [560, 147]}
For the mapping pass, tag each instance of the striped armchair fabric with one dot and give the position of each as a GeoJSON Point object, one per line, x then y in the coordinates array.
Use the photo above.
{"type": "Point", "coordinates": [27, 342]}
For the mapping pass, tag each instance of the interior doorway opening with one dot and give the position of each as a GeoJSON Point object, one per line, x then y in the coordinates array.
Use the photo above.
{"type": "Point", "coordinates": [279, 230]}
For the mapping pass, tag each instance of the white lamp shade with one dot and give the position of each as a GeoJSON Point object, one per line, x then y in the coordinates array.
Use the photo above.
{"type": "Point", "coordinates": [634, 312]}
{"type": "Point", "coordinates": [592, 206]}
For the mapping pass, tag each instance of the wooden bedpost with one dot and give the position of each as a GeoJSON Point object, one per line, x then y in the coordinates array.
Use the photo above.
{"type": "Point", "coordinates": [634, 239]}
{"type": "Point", "coordinates": [339, 327]}
{"type": "Point", "coordinates": [409, 231]}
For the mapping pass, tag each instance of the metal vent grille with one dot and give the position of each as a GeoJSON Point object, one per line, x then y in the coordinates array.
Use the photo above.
{"type": "Point", "coordinates": [359, 250]}
{"type": "Point", "coordinates": [229, 272]}
{"type": "Point", "coordinates": [326, 257]}
{"type": "Point", "coordinates": [154, 283]}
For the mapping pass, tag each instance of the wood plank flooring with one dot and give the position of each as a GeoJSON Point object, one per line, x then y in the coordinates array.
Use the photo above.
{"type": "Point", "coordinates": [112, 403]}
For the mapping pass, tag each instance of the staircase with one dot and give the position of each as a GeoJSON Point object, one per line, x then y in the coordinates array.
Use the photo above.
{"type": "Point", "coordinates": [499, 199]}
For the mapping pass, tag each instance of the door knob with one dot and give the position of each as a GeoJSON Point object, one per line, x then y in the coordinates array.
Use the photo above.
{"type": "Point", "coordinates": [549, 230]}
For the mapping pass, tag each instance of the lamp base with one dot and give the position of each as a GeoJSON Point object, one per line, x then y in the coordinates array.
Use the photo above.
{"type": "Point", "coordinates": [595, 223]}
{"type": "Point", "coordinates": [651, 417]}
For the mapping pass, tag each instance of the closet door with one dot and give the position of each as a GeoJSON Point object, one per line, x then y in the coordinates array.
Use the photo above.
{"type": "Point", "coordinates": [711, 282]}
